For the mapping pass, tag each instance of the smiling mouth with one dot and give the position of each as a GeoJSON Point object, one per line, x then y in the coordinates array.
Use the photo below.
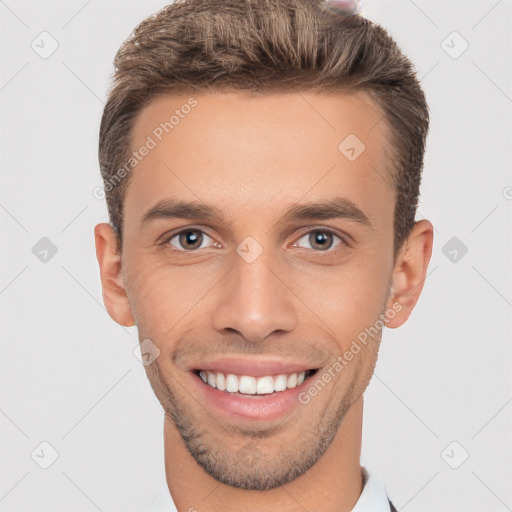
{"type": "Point", "coordinates": [235, 384]}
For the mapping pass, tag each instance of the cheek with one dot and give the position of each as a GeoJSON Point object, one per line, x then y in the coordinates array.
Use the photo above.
{"type": "Point", "coordinates": [162, 296]}
{"type": "Point", "coordinates": [348, 300]}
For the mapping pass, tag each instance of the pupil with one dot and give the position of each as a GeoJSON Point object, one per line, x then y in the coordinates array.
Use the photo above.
{"type": "Point", "coordinates": [320, 238]}
{"type": "Point", "coordinates": [191, 238]}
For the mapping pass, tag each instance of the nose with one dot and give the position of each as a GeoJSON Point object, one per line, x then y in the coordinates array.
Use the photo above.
{"type": "Point", "coordinates": [255, 300]}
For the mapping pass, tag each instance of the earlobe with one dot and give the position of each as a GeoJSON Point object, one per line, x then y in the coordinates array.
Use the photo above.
{"type": "Point", "coordinates": [409, 272]}
{"type": "Point", "coordinates": [109, 259]}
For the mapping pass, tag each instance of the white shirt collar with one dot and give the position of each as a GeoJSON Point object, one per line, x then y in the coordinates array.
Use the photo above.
{"type": "Point", "coordinates": [372, 499]}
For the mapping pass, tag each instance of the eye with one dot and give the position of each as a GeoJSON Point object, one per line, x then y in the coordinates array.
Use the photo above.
{"type": "Point", "coordinates": [189, 240]}
{"type": "Point", "coordinates": [193, 239]}
{"type": "Point", "coordinates": [321, 239]}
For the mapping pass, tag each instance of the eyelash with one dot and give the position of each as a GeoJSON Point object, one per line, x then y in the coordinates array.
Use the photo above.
{"type": "Point", "coordinates": [166, 241]}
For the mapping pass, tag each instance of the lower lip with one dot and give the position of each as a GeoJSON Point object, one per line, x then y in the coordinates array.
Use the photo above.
{"type": "Point", "coordinates": [254, 407]}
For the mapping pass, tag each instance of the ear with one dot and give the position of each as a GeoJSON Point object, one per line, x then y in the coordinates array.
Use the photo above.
{"type": "Point", "coordinates": [409, 272]}
{"type": "Point", "coordinates": [109, 259]}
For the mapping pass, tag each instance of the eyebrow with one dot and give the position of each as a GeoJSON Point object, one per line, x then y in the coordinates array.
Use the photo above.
{"type": "Point", "coordinates": [172, 208]}
{"type": "Point", "coordinates": [338, 207]}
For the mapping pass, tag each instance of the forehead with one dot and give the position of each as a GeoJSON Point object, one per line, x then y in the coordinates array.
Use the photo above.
{"type": "Point", "coordinates": [240, 151]}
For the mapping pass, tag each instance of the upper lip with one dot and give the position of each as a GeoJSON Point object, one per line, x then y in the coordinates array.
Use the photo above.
{"type": "Point", "coordinates": [253, 367]}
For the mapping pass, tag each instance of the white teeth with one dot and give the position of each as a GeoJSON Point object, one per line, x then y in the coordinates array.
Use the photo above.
{"type": "Point", "coordinates": [220, 381]}
{"type": "Point", "coordinates": [280, 383]}
{"type": "Point", "coordinates": [248, 385]}
{"type": "Point", "coordinates": [211, 379]}
{"type": "Point", "coordinates": [231, 383]}
{"type": "Point", "coordinates": [265, 385]}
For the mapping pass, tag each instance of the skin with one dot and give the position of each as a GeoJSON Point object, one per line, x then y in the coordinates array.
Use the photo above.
{"type": "Point", "coordinates": [254, 157]}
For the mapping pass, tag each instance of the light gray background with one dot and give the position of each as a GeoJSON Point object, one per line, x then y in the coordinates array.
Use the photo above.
{"type": "Point", "coordinates": [68, 373]}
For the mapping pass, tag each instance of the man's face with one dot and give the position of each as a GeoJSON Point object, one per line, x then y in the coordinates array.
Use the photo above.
{"type": "Point", "coordinates": [253, 285]}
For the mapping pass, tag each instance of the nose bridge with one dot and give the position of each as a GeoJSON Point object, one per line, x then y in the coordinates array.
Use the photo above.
{"type": "Point", "coordinates": [254, 301]}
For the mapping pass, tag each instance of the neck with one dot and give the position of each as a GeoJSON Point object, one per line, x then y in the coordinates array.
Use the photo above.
{"type": "Point", "coordinates": [334, 481]}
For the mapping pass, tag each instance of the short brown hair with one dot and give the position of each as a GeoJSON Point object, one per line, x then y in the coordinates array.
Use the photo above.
{"type": "Point", "coordinates": [261, 47]}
